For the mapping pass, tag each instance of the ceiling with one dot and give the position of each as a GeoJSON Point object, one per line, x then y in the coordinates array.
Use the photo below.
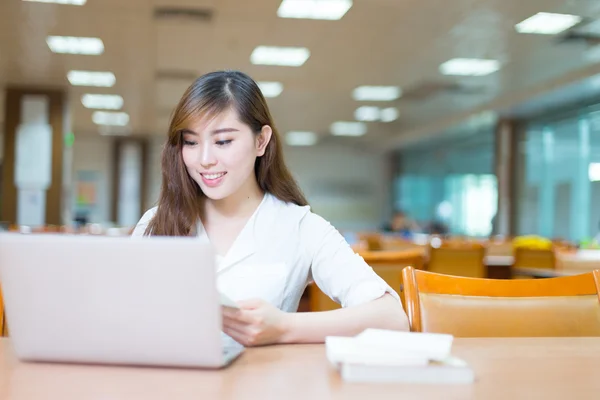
{"type": "Point", "coordinates": [378, 42]}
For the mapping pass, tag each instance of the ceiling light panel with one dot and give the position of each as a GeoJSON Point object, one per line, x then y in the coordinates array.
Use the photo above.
{"type": "Point", "coordinates": [314, 9]}
{"type": "Point", "coordinates": [376, 93]}
{"type": "Point", "coordinates": [270, 89]}
{"type": "Point", "coordinates": [301, 138]}
{"type": "Point", "coordinates": [102, 101]}
{"type": "Point", "coordinates": [75, 45]}
{"type": "Point", "coordinates": [346, 128]}
{"type": "Point", "coordinates": [91, 78]}
{"type": "Point", "coordinates": [69, 2]}
{"type": "Point", "coordinates": [110, 118]}
{"type": "Point", "coordinates": [280, 56]}
{"type": "Point", "coordinates": [544, 23]}
{"type": "Point", "coordinates": [469, 67]}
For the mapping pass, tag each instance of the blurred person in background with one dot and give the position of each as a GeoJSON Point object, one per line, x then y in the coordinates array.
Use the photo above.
{"type": "Point", "coordinates": [224, 180]}
{"type": "Point", "coordinates": [438, 228]}
{"type": "Point", "coordinates": [401, 224]}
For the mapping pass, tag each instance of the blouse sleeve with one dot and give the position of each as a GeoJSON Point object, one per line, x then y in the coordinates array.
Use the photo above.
{"type": "Point", "coordinates": [141, 226]}
{"type": "Point", "coordinates": [338, 271]}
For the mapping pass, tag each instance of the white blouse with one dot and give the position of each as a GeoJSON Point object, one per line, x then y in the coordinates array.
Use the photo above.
{"type": "Point", "coordinates": [281, 249]}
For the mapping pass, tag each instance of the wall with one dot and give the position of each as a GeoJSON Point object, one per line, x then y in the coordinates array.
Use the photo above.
{"type": "Point", "coordinates": [348, 187]}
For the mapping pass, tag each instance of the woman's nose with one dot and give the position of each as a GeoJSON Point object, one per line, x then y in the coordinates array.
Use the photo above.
{"type": "Point", "coordinates": [207, 157]}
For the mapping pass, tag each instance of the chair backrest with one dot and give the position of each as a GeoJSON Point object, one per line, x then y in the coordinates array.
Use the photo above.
{"type": "Point", "coordinates": [497, 248]}
{"type": "Point", "coordinates": [2, 317]}
{"type": "Point", "coordinates": [534, 258]}
{"type": "Point", "coordinates": [471, 307]}
{"type": "Point", "coordinates": [392, 275]}
{"type": "Point", "coordinates": [460, 259]}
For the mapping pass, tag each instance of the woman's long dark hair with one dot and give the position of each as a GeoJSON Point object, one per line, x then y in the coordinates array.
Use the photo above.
{"type": "Point", "coordinates": [180, 200]}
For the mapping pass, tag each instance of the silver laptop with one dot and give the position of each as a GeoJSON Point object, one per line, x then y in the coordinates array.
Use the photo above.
{"type": "Point", "coordinates": [113, 300]}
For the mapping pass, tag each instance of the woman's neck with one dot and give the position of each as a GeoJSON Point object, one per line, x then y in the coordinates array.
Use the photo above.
{"type": "Point", "coordinates": [240, 204]}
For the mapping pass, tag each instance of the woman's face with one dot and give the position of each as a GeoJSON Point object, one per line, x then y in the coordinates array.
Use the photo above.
{"type": "Point", "coordinates": [219, 154]}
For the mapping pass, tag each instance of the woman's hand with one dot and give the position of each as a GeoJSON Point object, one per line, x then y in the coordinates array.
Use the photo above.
{"type": "Point", "coordinates": [255, 323]}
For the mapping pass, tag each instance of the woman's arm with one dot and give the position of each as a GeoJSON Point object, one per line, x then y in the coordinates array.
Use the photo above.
{"type": "Point", "coordinates": [312, 327]}
{"type": "Point", "coordinates": [258, 322]}
{"type": "Point", "coordinates": [367, 301]}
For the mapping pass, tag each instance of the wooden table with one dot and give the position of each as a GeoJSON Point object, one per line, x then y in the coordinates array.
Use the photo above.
{"type": "Point", "coordinates": [512, 368]}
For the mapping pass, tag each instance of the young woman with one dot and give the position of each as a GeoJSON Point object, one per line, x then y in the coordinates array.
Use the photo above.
{"type": "Point", "coordinates": [225, 181]}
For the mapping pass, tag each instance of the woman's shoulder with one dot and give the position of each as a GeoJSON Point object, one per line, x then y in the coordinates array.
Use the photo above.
{"type": "Point", "coordinates": [289, 211]}
{"type": "Point", "coordinates": [142, 224]}
{"type": "Point", "coordinates": [304, 216]}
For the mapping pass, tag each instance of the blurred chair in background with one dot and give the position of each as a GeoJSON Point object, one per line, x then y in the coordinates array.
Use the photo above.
{"type": "Point", "coordinates": [469, 307]}
{"type": "Point", "coordinates": [457, 257]}
{"type": "Point", "coordinates": [534, 258]}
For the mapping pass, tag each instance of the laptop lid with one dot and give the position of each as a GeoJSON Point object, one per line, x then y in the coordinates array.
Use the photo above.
{"type": "Point", "coordinates": [116, 300]}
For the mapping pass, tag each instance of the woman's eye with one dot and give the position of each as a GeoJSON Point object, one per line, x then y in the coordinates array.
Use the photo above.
{"type": "Point", "coordinates": [223, 142]}
{"type": "Point", "coordinates": [188, 143]}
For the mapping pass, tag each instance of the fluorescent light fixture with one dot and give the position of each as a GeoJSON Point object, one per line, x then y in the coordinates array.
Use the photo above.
{"type": "Point", "coordinates": [301, 138]}
{"type": "Point", "coordinates": [389, 114]}
{"type": "Point", "coordinates": [281, 56]}
{"type": "Point", "coordinates": [75, 45]}
{"type": "Point", "coordinates": [91, 78]}
{"type": "Point", "coordinates": [344, 128]}
{"type": "Point", "coordinates": [367, 113]}
{"type": "Point", "coordinates": [112, 130]}
{"type": "Point", "coordinates": [314, 9]}
{"type": "Point", "coordinates": [102, 101]}
{"type": "Point", "coordinates": [594, 172]}
{"type": "Point", "coordinates": [376, 93]}
{"type": "Point", "coordinates": [270, 89]}
{"type": "Point", "coordinates": [110, 118]}
{"type": "Point", "coordinates": [469, 67]}
{"type": "Point", "coordinates": [70, 2]}
{"type": "Point", "coordinates": [544, 23]}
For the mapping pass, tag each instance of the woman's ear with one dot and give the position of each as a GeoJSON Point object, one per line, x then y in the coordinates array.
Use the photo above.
{"type": "Point", "coordinates": [262, 140]}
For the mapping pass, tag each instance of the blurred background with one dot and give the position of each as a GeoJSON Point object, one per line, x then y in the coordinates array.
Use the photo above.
{"type": "Point", "coordinates": [470, 118]}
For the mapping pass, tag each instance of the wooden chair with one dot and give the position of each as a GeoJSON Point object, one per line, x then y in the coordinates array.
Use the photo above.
{"type": "Point", "coordinates": [534, 258]}
{"type": "Point", "coordinates": [470, 307]}
{"type": "Point", "coordinates": [458, 258]}
{"type": "Point", "coordinates": [388, 265]}
{"type": "Point", "coordinates": [2, 317]}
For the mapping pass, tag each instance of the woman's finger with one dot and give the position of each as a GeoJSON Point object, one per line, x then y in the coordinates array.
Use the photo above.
{"type": "Point", "coordinates": [237, 336]}
{"type": "Point", "coordinates": [241, 316]}
{"type": "Point", "coordinates": [234, 323]}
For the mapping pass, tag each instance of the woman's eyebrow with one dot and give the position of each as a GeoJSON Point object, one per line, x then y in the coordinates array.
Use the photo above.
{"type": "Point", "coordinates": [224, 130]}
{"type": "Point", "coordinates": [188, 132]}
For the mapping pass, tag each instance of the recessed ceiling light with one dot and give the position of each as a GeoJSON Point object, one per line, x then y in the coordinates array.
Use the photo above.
{"type": "Point", "coordinates": [301, 138]}
{"type": "Point", "coordinates": [389, 114]}
{"type": "Point", "coordinates": [110, 118]}
{"type": "Point", "coordinates": [544, 23]}
{"type": "Point", "coordinates": [75, 45]}
{"type": "Point", "coordinates": [345, 128]}
{"type": "Point", "coordinates": [91, 78]}
{"type": "Point", "coordinates": [281, 56]}
{"type": "Point", "coordinates": [367, 113]}
{"type": "Point", "coordinates": [70, 2]}
{"type": "Point", "coordinates": [102, 101]}
{"type": "Point", "coordinates": [469, 67]}
{"type": "Point", "coordinates": [376, 93]}
{"type": "Point", "coordinates": [314, 9]}
{"type": "Point", "coordinates": [270, 89]}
